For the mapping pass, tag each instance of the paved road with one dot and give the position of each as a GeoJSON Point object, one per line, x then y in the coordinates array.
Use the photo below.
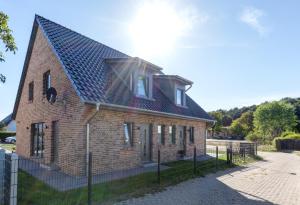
{"type": "Point", "coordinates": [276, 180]}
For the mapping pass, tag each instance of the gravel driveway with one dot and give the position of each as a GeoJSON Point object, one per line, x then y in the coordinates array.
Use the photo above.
{"type": "Point", "coordinates": [275, 180]}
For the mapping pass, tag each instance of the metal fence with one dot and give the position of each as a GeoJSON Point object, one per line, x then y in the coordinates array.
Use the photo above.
{"type": "Point", "coordinates": [40, 183]}
{"type": "Point", "coordinates": [8, 178]}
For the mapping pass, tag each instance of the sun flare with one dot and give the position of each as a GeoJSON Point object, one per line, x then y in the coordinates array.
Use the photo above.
{"type": "Point", "coordinates": [156, 28]}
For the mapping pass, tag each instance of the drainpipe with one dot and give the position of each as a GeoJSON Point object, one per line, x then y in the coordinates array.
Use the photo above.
{"type": "Point", "coordinates": [88, 137]}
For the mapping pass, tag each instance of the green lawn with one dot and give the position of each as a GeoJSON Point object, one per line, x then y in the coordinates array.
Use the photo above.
{"type": "Point", "coordinates": [9, 147]}
{"type": "Point", "coordinates": [33, 192]}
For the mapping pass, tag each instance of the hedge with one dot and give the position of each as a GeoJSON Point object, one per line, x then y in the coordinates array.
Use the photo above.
{"type": "Point", "coordinates": [5, 134]}
{"type": "Point", "coordinates": [289, 142]}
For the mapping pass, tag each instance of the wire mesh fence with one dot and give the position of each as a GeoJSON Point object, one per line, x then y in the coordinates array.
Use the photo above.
{"type": "Point", "coordinates": [88, 181]}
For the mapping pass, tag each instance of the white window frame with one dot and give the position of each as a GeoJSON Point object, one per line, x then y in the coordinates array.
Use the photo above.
{"type": "Point", "coordinates": [182, 88]}
{"type": "Point", "coordinates": [128, 133]}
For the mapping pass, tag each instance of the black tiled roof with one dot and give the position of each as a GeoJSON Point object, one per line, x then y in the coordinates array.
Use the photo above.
{"type": "Point", "coordinates": [7, 120]}
{"type": "Point", "coordinates": [83, 60]}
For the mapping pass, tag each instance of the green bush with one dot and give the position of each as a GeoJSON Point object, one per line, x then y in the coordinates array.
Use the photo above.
{"type": "Point", "coordinates": [287, 137]}
{"type": "Point", "coordinates": [5, 134]}
{"type": "Point", "coordinates": [253, 137]}
{"type": "Point", "coordinates": [287, 134]}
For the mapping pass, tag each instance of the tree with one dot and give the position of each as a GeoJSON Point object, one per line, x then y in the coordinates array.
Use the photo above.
{"type": "Point", "coordinates": [217, 115]}
{"type": "Point", "coordinates": [243, 125]}
{"type": "Point", "coordinates": [7, 39]}
{"type": "Point", "coordinates": [271, 119]}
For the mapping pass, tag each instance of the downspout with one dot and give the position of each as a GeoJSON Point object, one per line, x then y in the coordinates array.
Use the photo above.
{"type": "Point", "coordinates": [88, 136]}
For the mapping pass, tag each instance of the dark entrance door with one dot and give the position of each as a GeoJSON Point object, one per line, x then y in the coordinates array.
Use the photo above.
{"type": "Point", "coordinates": [145, 142]}
{"type": "Point", "coordinates": [182, 139]}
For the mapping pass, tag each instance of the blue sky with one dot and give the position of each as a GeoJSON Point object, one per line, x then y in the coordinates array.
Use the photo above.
{"type": "Point", "coordinates": [236, 52]}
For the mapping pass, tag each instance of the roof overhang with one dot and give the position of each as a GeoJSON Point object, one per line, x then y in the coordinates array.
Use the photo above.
{"type": "Point", "coordinates": [134, 60]}
{"type": "Point", "coordinates": [149, 112]}
{"type": "Point", "coordinates": [25, 67]}
{"type": "Point", "coordinates": [174, 78]}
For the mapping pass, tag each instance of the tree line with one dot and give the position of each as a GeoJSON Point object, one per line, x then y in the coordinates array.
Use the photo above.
{"type": "Point", "coordinates": [262, 122]}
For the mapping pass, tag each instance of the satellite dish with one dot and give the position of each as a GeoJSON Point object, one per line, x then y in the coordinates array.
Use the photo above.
{"type": "Point", "coordinates": [51, 95]}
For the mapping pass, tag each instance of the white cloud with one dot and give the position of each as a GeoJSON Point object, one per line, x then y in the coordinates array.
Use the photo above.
{"type": "Point", "coordinates": [252, 17]}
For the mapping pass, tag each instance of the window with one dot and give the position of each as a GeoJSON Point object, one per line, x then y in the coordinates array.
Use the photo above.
{"type": "Point", "coordinates": [179, 97]}
{"type": "Point", "coordinates": [161, 134]}
{"type": "Point", "coordinates": [192, 137]}
{"type": "Point", "coordinates": [143, 86]}
{"type": "Point", "coordinates": [128, 133]}
{"type": "Point", "coordinates": [30, 91]}
{"type": "Point", "coordinates": [37, 139]}
{"type": "Point", "coordinates": [172, 134]}
{"type": "Point", "coordinates": [46, 82]}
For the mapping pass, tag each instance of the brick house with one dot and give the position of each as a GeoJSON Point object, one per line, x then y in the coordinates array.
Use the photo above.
{"type": "Point", "coordinates": [120, 108]}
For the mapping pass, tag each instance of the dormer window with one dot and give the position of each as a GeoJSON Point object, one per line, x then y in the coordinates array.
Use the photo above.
{"type": "Point", "coordinates": [143, 86]}
{"type": "Point", "coordinates": [180, 97]}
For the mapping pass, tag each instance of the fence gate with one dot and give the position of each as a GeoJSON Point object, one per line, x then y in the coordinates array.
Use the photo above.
{"type": "Point", "coordinates": [8, 178]}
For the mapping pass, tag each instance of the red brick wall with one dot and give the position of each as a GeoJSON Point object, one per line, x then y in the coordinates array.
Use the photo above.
{"type": "Point", "coordinates": [107, 139]}
{"type": "Point", "coordinates": [68, 109]}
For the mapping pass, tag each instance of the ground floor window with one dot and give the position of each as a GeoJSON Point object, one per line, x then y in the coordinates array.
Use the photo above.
{"type": "Point", "coordinates": [128, 130]}
{"type": "Point", "coordinates": [161, 134]}
{"type": "Point", "coordinates": [172, 134]}
{"type": "Point", "coordinates": [192, 137]}
{"type": "Point", "coordinates": [37, 139]}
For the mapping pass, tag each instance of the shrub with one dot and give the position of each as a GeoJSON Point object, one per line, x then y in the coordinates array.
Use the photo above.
{"type": "Point", "coordinates": [5, 134]}
{"type": "Point", "coordinates": [253, 137]}
{"type": "Point", "coordinates": [287, 134]}
{"type": "Point", "coordinates": [290, 140]}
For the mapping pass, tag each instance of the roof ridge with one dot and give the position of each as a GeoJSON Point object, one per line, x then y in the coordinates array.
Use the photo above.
{"type": "Point", "coordinates": [43, 18]}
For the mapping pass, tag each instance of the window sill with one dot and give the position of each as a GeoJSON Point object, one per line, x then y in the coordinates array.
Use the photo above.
{"type": "Point", "coordinates": [182, 106]}
{"type": "Point", "coordinates": [144, 97]}
{"type": "Point", "coordinates": [128, 148]}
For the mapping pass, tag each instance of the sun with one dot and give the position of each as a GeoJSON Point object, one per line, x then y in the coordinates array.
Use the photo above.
{"type": "Point", "coordinates": [156, 28]}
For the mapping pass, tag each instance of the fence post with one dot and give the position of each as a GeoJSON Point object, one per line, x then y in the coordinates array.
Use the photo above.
{"type": "Point", "coordinates": [231, 154]}
{"type": "Point", "coordinates": [2, 170]}
{"type": "Point", "coordinates": [90, 179]}
{"type": "Point", "coordinates": [195, 155]}
{"type": "Point", "coordinates": [227, 155]}
{"type": "Point", "coordinates": [14, 179]}
{"type": "Point", "coordinates": [217, 157]}
{"type": "Point", "coordinates": [244, 154]}
{"type": "Point", "coordinates": [158, 166]}
{"type": "Point", "coordinates": [255, 148]}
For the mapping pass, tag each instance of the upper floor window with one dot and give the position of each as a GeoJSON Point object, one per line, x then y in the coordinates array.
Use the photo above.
{"type": "Point", "coordinates": [128, 129]}
{"type": "Point", "coordinates": [30, 91]}
{"type": "Point", "coordinates": [143, 86]}
{"type": "Point", "coordinates": [179, 96]}
{"type": "Point", "coordinates": [46, 81]}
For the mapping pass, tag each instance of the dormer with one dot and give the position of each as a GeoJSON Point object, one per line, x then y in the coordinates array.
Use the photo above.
{"type": "Point", "coordinates": [174, 87]}
{"type": "Point", "coordinates": [136, 73]}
